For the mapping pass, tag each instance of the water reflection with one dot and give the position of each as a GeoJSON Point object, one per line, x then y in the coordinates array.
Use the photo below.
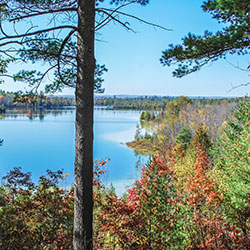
{"type": "Point", "coordinates": [141, 160]}
{"type": "Point", "coordinates": [32, 114]}
{"type": "Point", "coordinates": [40, 139]}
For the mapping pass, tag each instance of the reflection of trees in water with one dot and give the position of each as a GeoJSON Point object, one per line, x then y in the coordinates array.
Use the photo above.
{"type": "Point", "coordinates": [141, 160]}
{"type": "Point", "coordinates": [34, 113]}
{"type": "Point", "coordinates": [4, 116]}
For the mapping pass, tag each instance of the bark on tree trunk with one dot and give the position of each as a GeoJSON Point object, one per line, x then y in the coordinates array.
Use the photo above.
{"type": "Point", "coordinates": [83, 206]}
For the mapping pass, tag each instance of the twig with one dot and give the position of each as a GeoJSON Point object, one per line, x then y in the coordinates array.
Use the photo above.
{"type": "Point", "coordinates": [237, 67]}
{"type": "Point", "coordinates": [42, 77]}
{"type": "Point", "coordinates": [238, 86]}
{"type": "Point", "coordinates": [138, 19]}
{"type": "Point", "coordinates": [59, 54]}
{"type": "Point", "coordinates": [107, 18]}
{"type": "Point", "coordinates": [42, 13]}
{"type": "Point", "coordinates": [39, 32]}
{"type": "Point", "coordinates": [114, 18]}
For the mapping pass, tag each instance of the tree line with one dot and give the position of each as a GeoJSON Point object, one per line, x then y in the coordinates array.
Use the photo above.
{"type": "Point", "coordinates": [11, 99]}
{"type": "Point", "coordinates": [153, 103]}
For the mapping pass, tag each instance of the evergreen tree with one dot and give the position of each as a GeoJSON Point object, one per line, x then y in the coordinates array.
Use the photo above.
{"type": "Point", "coordinates": [137, 132]}
{"type": "Point", "coordinates": [184, 137]}
{"type": "Point", "coordinates": [196, 51]}
{"type": "Point", "coordinates": [233, 163]}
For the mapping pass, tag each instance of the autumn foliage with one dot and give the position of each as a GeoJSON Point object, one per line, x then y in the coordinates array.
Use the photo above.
{"type": "Point", "coordinates": [35, 216]}
{"type": "Point", "coordinates": [192, 199]}
{"type": "Point", "coordinates": [154, 215]}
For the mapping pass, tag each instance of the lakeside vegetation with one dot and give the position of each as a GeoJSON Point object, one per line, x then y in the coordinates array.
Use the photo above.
{"type": "Point", "coordinates": [194, 194]}
{"type": "Point", "coordinates": [181, 119]}
{"type": "Point", "coordinates": [18, 100]}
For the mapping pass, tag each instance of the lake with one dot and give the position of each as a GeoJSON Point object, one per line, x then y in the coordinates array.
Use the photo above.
{"type": "Point", "coordinates": [42, 140]}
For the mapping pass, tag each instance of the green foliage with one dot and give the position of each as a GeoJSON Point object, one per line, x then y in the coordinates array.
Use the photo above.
{"type": "Point", "coordinates": [184, 137]}
{"type": "Point", "coordinates": [147, 116]}
{"type": "Point", "coordinates": [149, 218]}
{"type": "Point", "coordinates": [155, 103]}
{"type": "Point", "coordinates": [99, 71]}
{"type": "Point", "coordinates": [173, 108]}
{"type": "Point", "coordinates": [209, 229]}
{"type": "Point", "coordinates": [137, 132]}
{"type": "Point", "coordinates": [44, 43]}
{"type": "Point", "coordinates": [4, 65]}
{"type": "Point", "coordinates": [211, 190]}
{"type": "Point", "coordinates": [196, 51]}
{"type": "Point", "coordinates": [30, 100]}
{"type": "Point", "coordinates": [163, 217]}
{"type": "Point", "coordinates": [156, 215]}
{"type": "Point", "coordinates": [137, 103]}
{"type": "Point", "coordinates": [51, 43]}
{"type": "Point", "coordinates": [41, 216]}
{"type": "Point", "coordinates": [147, 136]}
{"type": "Point", "coordinates": [181, 201]}
{"type": "Point", "coordinates": [180, 113]}
{"type": "Point", "coordinates": [172, 111]}
{"type": "Point", "coordinates": [233, 164]}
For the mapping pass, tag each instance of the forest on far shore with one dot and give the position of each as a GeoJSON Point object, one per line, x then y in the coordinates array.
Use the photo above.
{"type": "Point", "coordinates": [15, 99]}
{"type": "Point", "coordinates": [154, 103]}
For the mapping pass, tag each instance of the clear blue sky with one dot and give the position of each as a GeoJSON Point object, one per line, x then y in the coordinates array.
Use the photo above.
{"type": "Point", "coordinates": [133, 59]}
{"type": "Point", "coordinates": [133, 63]}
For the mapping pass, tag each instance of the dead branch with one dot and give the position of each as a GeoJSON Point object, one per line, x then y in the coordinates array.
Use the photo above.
{"type": "Point", "coordinates": [134, 17]}
{"type": "Point", "coordinates": [238, 67]}
{"type": "Point", "coordinates": [59, 55]}
{"type": "Point", "coordinates": [238, 86]}
{"type": "Point", "coordinates": [103, 23]}
{"type": "Point", "coordinates": [39, 32]}
{"type": "Point", "coordinates": [114, 18]}
{"type": "Point", "coordinates": [43, 13]}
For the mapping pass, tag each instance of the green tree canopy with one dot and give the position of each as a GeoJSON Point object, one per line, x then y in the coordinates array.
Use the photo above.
{"type": "Point", "coordinates": [233, 160]}
{"type": "Point", "coordinates": [184, 137]}
{"type": "Point", "coordinates": [198, 50]}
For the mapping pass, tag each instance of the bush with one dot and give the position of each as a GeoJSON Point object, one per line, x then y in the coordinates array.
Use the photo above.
{"type": "Point", "coordinates": [35, 216]}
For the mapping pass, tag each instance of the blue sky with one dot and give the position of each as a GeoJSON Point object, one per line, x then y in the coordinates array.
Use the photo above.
{"type": "Point", "coordinates": [133, 63]}
{"type": "Point", "coordinates": [133, 59]}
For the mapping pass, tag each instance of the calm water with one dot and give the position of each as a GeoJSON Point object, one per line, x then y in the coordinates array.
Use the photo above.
{"type": "Point", "coordinates": [45, 140]}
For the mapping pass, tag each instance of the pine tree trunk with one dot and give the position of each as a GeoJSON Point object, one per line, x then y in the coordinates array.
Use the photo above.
{"type": "Point", "coordinates": [83, 206]}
